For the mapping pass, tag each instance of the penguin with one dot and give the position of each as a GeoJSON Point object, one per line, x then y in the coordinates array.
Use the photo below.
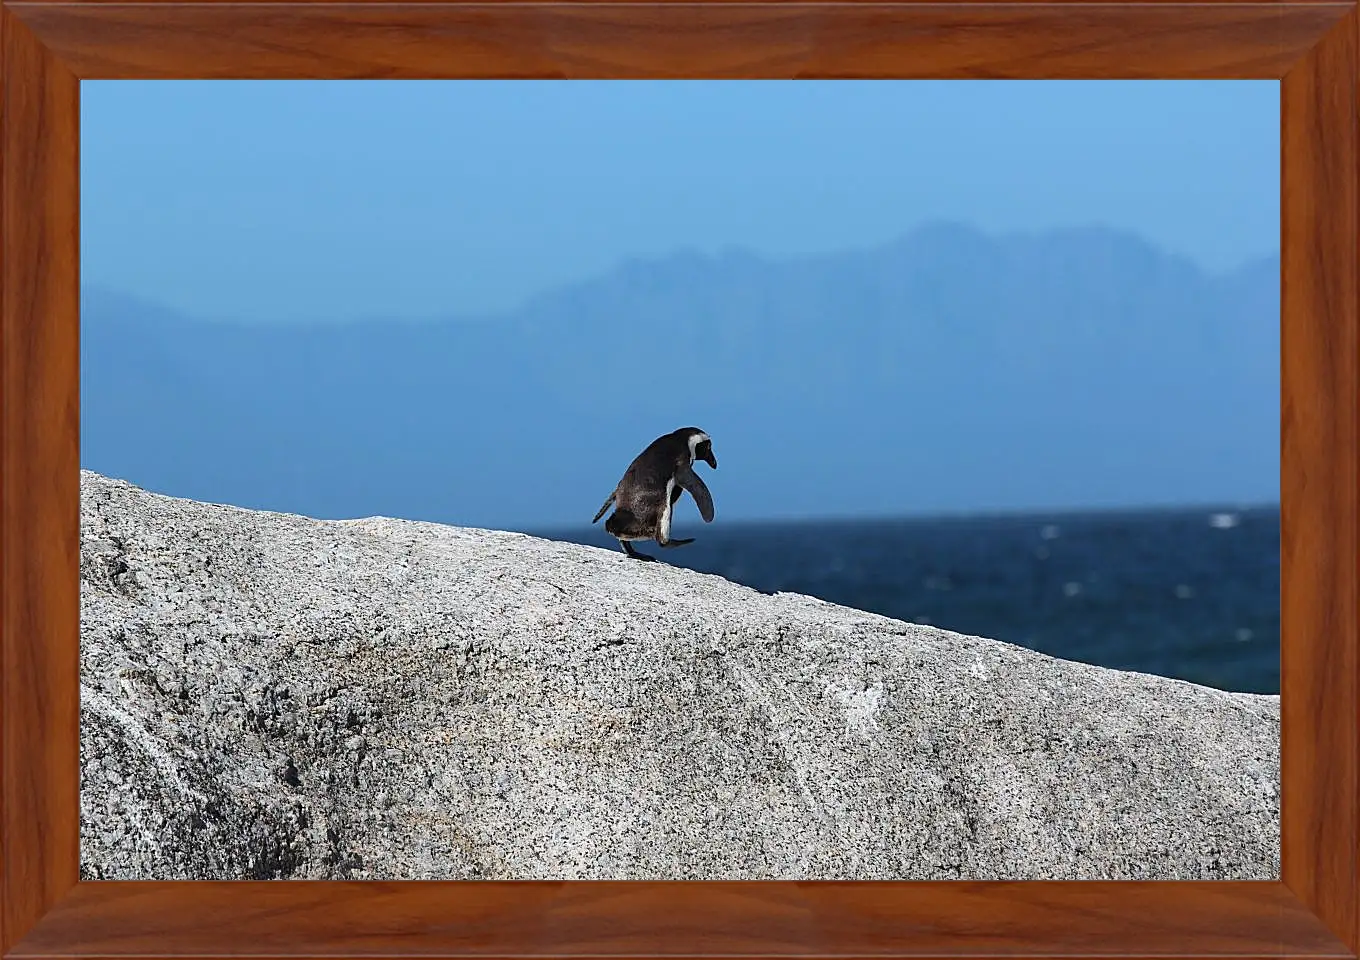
{"type": "Point", "coordinates": [651, 485]}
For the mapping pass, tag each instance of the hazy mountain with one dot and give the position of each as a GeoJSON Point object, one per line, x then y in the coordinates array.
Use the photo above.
{"type": "Point", "coordinates": [950, 370]}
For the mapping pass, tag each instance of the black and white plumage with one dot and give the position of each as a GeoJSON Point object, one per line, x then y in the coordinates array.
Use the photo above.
{"type": "Point", "coordinates": [653, 482]}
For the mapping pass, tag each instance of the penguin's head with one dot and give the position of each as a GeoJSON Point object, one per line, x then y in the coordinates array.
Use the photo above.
{"type": "Point", "coordinates": [701, 447]}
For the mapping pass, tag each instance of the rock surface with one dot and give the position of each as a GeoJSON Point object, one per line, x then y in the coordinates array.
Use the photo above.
{"type": "Point", "coordinates": [266, 695]}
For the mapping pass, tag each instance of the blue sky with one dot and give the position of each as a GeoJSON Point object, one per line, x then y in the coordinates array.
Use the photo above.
{"type": "Point", "coordinates": [277, 201]}
{"type": "Point", "coordinates": [334, 200]}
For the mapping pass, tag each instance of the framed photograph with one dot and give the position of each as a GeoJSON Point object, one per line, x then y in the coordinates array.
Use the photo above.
{"type": "Point", "coordinates": [984, 654]}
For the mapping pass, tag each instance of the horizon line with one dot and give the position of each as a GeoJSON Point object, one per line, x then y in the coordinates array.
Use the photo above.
{"type": "Point", "coordinates": [1209, 508]}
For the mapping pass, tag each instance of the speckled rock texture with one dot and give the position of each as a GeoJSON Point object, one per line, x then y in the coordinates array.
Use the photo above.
{"type": "Point", "coordinates": [271, 696]}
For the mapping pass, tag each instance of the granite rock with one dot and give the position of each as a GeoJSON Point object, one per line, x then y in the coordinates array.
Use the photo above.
{"type": "Point", "coordinates": [268, 696]}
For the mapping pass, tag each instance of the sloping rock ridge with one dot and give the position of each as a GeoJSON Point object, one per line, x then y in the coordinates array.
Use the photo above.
{"type": "Point", "coordinates": [269, 696]}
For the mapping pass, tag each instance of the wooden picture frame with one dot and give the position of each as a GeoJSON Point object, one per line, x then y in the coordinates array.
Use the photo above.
{"type": "Point", "coordinates": [46, 48]}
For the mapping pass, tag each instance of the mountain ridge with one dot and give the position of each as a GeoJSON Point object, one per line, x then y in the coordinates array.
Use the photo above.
{"type": "Point", "coordinates": [1082, 365]}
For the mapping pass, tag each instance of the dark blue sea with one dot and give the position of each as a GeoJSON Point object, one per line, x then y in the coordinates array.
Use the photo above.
{"type": "Point", "coordinates": [1187, 593]}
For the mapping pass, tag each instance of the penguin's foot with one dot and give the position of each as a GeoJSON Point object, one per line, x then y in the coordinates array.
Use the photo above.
{"type": "Point", "coordinates": [628, 549]}
{"type": "Point", "coordinates": [674, 543]}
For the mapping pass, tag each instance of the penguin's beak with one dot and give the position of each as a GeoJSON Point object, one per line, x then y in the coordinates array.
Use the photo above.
{"type": "Point", "coordinates": [711, 460]}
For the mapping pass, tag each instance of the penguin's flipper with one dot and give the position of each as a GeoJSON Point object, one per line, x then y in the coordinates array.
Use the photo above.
{"type": "Point", "coordinates": [692, 482]}
{"type": "Point", "coordinates": [607, 502]}
{"type": "Point", "coordinates": [675, 543]}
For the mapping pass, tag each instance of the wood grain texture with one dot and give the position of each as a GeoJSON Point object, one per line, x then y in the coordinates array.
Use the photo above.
{"type": "Point", "coordinates": [505, 4]}
{"type": "Point", "coordinates": [681, 919]}
{"type": "Point", "coordinates": [103, 40]}
{"type": "Point", "coordinates": [46, 46]}
{"type": "Point", "coordinates": [39, 479]}
{"type": "Point", "coordinates": [1320, 482]}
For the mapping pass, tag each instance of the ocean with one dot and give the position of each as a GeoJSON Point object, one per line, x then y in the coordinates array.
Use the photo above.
{"type": "Point", "coordinates": [1186, 593]}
